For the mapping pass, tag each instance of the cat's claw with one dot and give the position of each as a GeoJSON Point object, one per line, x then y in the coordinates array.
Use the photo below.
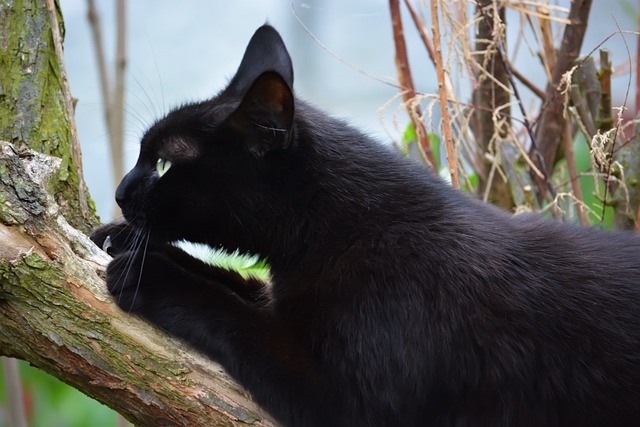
{"type": "Point", "coordinates": [114, 238]}
{"type": "Point", "coordinates": [106, 246]}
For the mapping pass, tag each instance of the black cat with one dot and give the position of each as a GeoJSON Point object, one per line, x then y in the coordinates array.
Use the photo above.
{"type": "Point", "coordinates": [396, 300]}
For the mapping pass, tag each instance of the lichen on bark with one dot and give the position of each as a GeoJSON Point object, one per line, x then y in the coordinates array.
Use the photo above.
{"type": "Point", "coordinates": [32, 110]}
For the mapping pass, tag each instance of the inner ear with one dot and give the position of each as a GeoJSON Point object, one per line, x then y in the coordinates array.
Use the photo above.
{"type": "Point", "coordinates": [264, 118]}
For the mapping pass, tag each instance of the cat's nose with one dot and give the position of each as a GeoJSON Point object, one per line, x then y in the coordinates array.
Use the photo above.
{"type": "Point", "coordinates": [120, 195]}
{"type": "Point", "coordinates": [122, 190]}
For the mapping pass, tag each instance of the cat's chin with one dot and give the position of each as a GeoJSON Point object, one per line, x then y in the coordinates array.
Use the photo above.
{"type": "Point", "coordinates": [158, 232]}
{"type": "Point", "coordinates": [134, 218]}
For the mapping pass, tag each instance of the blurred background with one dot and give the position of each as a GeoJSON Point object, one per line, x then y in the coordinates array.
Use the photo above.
{"type": "Point", "coordinates": [343, 56]}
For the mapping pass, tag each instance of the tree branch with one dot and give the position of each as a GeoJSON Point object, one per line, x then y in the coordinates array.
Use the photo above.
{"type": "Point", "coordinates": [412, 104]}
{"type": "Point", "coordinates": [491, 95]}
{"type": "Point", "coordinates": [550, 128]}
{"type": "Point", "coordinates": [117, 105]}
{"type": "Point", "coordinates": [452, 156]}
{"type": "Point", "coordinates": [76, 153]}
{"type": "Point", "coordinates": [16, 408]}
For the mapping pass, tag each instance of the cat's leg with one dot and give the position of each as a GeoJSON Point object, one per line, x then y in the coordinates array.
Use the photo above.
{"type": "Point", "coordinates": [119, 236]}
{"type": "Point", "coordinates": [115, 237]}
{"type": "Point", "coordinates": [251, 289]}
{"type": "Point", "coordinates": [258, 348]}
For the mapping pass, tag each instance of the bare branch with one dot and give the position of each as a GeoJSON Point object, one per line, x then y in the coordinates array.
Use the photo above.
{"type": "Point", "coordinates": [117, 107]}
{"type": "Point", "coordinates": [490, 95]}
{"type": "Point", "coordinates": [406, 82]}
{"type": "Point", "coordinates": [551, 123]}
{"type": "Point", "coordinates": [573, 175]}
{"type": "Point", "coordinates": [421, 30]}
{"type": "Point", "coordinates": [96, 30]}
{"type": "Point", "coordinates": [16, 410]}
{"type": "Point", "coordinates": [452, 156]}
{"type": "Point", "coordinates": [582, 109]}
{"type": "Point", "coordinates": [528, 83]}
{"type": "Point", "coordinates": [112, 97]}
{"type": "Point", "coordinates": [604, 119]}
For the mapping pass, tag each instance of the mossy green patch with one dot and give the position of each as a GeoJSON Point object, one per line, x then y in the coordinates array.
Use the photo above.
{"type": "Point", "coordinates": [32, 109]}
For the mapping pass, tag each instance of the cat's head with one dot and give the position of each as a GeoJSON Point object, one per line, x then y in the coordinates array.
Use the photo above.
{"type": "Point", "coordinates": [205, 165]}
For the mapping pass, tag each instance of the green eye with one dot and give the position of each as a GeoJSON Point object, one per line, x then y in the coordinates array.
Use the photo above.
{"type": "Point", "coordinates": [163, 166]}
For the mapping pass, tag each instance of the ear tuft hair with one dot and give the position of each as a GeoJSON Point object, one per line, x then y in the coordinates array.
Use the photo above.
{"type": "Point", "coordinates": [264, 118]}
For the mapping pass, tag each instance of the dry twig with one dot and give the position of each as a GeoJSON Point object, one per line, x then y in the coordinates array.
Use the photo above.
{"type": "Point", "coordinates": [412, 104]}
{"type": "Point", "coordinates": [452, 157]}
{"type": "Point", "coordinates": [573, 175]}
{"type": "Point", "coordinates": [113, 99]}
{"type": "Point", "coordinates": [551, 123]}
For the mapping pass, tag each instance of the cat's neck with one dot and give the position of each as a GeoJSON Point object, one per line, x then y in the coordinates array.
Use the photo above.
{"type": "Point", "coordinates": [349, 186]}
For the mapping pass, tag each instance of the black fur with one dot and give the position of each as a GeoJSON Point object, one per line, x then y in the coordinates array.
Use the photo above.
{"type": "Point", "coordinates": [396, 300]}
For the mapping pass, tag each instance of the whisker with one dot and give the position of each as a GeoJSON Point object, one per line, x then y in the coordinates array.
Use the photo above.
{"type": "Point", "coordinates": [141, 122]}
{"type": "Point", "coordinates": [144, 255]}
{"type": "Point", "coordinates": [142, 103]}
{"type": "Point", "coordinates": [163, 105]}
{"type": "Point", "coordinates": [135, 243]}
{"type": "Point", "coordinates": [149, 103]}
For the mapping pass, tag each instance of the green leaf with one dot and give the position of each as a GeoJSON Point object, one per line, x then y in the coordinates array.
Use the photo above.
{"type": "Point", "coordinates": [50, 402]}
{"type": "Point", "coordinates": [591, 193]}
{"type": "Point", "coordinates": [473, 179]}
{"type": "Point", "coordinates": [434, 141]}
{"type": "Point", "coordinates": [408, 137]}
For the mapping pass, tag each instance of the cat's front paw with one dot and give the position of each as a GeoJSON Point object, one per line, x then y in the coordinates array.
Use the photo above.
{"type": "Point", "coordinates": [115, 237]}
{"type": "Point", "coordinates": [124, 282]}
{"type": "Point", "coordinates": [146, 283]}
{"type": "Point", "coordinates": [136, 281]}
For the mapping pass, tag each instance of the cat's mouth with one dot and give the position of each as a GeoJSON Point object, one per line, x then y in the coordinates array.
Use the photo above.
{"type": "Point", "coordinates": [133, 214]}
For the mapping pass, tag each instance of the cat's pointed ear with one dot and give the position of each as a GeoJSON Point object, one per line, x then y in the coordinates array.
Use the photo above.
{"type": "Point", "coordinates": [264, 118]}
{"type": "Point", "coordinates": [266, 52]}
{"type": "Point", "coordinates": [264, 82]}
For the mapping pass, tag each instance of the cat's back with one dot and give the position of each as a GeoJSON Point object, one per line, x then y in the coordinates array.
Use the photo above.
{"type": "Point", "coordinates": [509, 320]}
{"type": "Point", "coordinates": [553, 313]}
{"type": "Point", "coordinates": [509, 312]}
{"type": "Point", "coordinates": [580, 256]}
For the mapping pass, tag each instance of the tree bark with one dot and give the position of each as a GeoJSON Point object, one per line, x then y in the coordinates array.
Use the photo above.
{"type": "Point", "coordinates": [627, 204]}
{"type": "Point", "coordinates": [34, 112]}
{"type": "Point", "coordinates": [490, 96]}
{"type": "Point", "coordinates": [54, 309]}
{"type": "Point", "coordinates": [551, 123]}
